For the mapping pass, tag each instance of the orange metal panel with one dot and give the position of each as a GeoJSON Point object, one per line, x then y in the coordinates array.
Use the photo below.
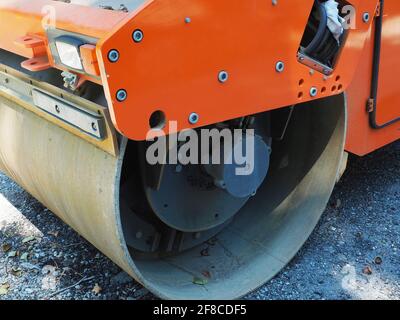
{"type": "Point", "coordinates": [175, 68]}
{"type": "Point", "coordinates": [361, 138]}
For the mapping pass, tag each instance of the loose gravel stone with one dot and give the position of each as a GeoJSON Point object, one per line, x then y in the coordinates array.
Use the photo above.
{"type": "Point", "coordinates": [121, 278]}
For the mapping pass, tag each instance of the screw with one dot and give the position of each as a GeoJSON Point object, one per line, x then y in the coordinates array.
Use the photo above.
{"type": "Point", "coordinates": [313, 91]}
{"type": "Point", "coordinates": [188, 20]}
{"type": "Point", "coordinates": [139, 234]}
{"type": "Point", "coordinates": [57, 108]}
{"type": "Point", "coordinates": [274, 2]}
{"type": "Point", "coordinates": [223, 76]}
{"type": "Point", "coordinates": [366, 17]}
{"type": "Point", "coordinates": [113, 55]}
{"type": "Point", "coordinates": [121, 95]}
{"type": "Point", "coordinates": [280, 66]}
{"type": "Point", "coordinates": [193, 118]}
{"type": "Point", "coordinates": [137, 35]}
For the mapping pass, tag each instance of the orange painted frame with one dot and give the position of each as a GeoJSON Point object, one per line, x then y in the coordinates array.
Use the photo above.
{"type": "Point", "coordinates": [175, 68]}
{"type": "Point", "coordinates": [162, 22]}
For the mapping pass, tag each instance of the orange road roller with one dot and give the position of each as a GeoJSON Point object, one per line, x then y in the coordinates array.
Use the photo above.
{"type": "Point", "coordinates": [110, 113]}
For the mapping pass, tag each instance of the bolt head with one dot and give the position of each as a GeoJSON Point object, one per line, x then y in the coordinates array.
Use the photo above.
{"type": "Point", "coordinates": [223, 76]}
{"type": "Point", "coordinates": [280, 66]}
{"type": "Point", "coordinates": [137, 35]}
{"type": "Point", "coordinates": [193, 118]}
{"type": "Point", "coordinates": [188, 20]}
{"type": "Point", "coordinates": [366, 17]}
{"type": "Point", "coordinates": [113, 55]}
{"type": "Point", "coordinates": [313, 91]}
{"type": "Point", "coordinates": [121, 95]}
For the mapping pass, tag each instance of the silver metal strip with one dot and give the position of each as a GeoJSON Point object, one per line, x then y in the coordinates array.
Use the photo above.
{"type": "Point", "coordinates": [69, 113]}
{"type": "Point", "coordinates": [77, 115]}
{"type": "Point", "coordinates": [314, 64]}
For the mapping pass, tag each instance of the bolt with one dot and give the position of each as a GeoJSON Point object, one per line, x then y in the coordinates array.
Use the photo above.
{"type": "Point", "coordinates": [113, 55]}
{"type": "Point", "coordinates": [193, 118]}
{"type": "Point", "coordinates": [274, 2]}
{"type": "Point", "coordinates": [57, 108]}
{"type": "Point", "coordinates": [223, 76]}
{"type": "Point", "coordinates": [139, 234]}
{"type": "Point", "coordinates": [121, 95]}
{"type": "Point", "coordinates": [280, 66]}
{"type": "Point", "coordinates": [94, 126]}
{"type": "Point", "coordinates": [188, 20]}
{"type": "Point", "coordinates": [313, 91]}
{"type": "Point", "coordinates": [137, 35]}
{"type": "Point", "coordinates": [366, 17]}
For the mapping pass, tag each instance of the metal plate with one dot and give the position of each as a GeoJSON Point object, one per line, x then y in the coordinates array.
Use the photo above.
{"type": "Point", "coordinates": [188, 200]}
{"type": "Point", "coordinates": [20, 88]}
{"type": "Point", "coordinates": [314, 64]}
{"type": "Point", "coordinates": [89, 123]}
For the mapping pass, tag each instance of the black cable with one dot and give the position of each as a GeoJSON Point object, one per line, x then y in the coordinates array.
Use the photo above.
{"type": "Point", "coordinates": [323, 47]}
{"type": "Point", "coordinates": [321, 29]}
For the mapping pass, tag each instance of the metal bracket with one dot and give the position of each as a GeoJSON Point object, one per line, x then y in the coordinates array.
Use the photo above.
{"type": "Point", "coordinates": [86, 122]}
{"type": "Point", "coordinates": [314, 64]}
{"type": "Point", "coordinates": [40, 60]}
{"type": "Point", "coordinates": [72, 81]}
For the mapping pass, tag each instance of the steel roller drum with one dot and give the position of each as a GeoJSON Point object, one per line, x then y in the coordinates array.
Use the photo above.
{"type": "Point", "coordinates": [80, 183]}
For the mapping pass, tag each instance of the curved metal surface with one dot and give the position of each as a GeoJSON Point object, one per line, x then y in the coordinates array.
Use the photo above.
{"type": "Point", "coordinates": [80, 183]}
{"type": "Point", "coordinates": [73, 178]}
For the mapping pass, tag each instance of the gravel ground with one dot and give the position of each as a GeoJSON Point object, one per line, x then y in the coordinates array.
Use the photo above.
{"type": "Point", "coordinates": [353, 254]}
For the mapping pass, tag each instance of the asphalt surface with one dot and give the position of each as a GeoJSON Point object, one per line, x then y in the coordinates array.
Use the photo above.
{"type": "Point", "coordinates": [353, 253]}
